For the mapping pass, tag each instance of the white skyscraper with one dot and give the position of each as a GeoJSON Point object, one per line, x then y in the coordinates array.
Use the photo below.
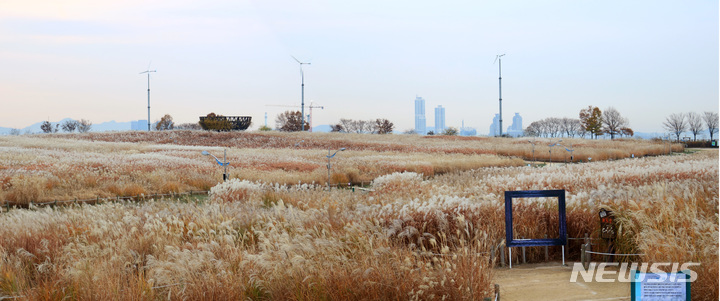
{"type": "Point", "coordinates": [495, 126]}
{"type": "Point", "coordinates": [420, 115]}
{"type": "Point", "coordinates": [439, 120]}
{"type": "Point", "coordinates": [516, 129]}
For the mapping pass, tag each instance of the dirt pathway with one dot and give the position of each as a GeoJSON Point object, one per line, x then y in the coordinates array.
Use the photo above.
{"type": "Point", "coordinates": [551, 281]}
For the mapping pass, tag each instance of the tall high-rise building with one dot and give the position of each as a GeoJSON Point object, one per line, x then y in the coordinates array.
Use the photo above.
{"type": "Point", "coordinates": [439, 120]}
{"type": "Point", "coordinates": [420, 115]}
{"type": "Point", "coordinates": [495, 126]}
{"type": "Point", "coordinates": [516, 129]}
{"type": "Point", "coordinates": [517, 123]}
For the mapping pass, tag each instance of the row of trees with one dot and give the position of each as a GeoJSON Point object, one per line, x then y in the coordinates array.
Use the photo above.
{"type": "Point", "coordinates": [449, 131]}
{"type": "Point", "coordinates": [555, 127]}
{"type": "Point", "coordinates": [82, 126]}
{"type": "Point", "coordinates": [377, 126]}
{"type": "Point", "coordinates": [695, 123]}
{"type": "Point", "coordinates": [291, 121]}
{"type": "Point", "coordinates": [592, 122]}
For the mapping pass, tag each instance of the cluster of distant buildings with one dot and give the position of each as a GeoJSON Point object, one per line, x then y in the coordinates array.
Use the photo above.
{"type": "Point", "coordinates": [420, 121]}
{"type": "Point", "coordinates": [139, 125]}
{"type": "Point", "coordinates": [421, 128]}
{"type": "Point", "coordinates": [514, 130]}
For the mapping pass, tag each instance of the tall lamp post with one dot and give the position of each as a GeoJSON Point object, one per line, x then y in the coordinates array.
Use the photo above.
{"type": "Point", "coordinates": [148, 73]}
{"type": "Point", "coordinates": [533, 150]}
{"type": "Point", "coordinates": [302, 93]}
{"type": "Point", "coordinates": [224, 162]}
{"type": "Point", "coordinates": [550, 151]}
{"type": "Point", "coordinates": [329, 156]}
{"type": "Point", "coordinates": [570, 150]}
{"type": "Point", "coordinates": [499, 59]}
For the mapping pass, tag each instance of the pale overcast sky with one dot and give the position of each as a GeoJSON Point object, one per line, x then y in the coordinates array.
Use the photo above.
{"type": "Point", "coordinates": [81, 59]}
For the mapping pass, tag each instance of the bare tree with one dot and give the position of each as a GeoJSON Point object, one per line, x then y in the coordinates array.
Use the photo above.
{"type": "Point", "coordinates": [675, 123]}
{"type": "Point", "coordinates": [450, 131]}
{"type": "Point", "coordinates": [695, 124]}
{"type": "Point", "coordinates": [165, 123]}
{"type": "Point", "coordinates": [15, 132]}
{"type": "Point", "coordinates": [347, 125]}
{"type": "Point", "coordinates": [290, 122]}
{"type": "Point", "coordinates": [368, 126]}
{"type": "Point", "coordinates": [613, 122]}
{"type": "Point", "coordinates": [359, 126]}
{"type": "Point", "coordinates": [581, 132]}
{"type": "Point", "coordinates": [69, 125]}
{"type": "Point", "coordinates": [46, 127]}
{"type": "Point", "coordinates": [84, 126]}
{"type": "Point", "coordinates": [337, 128]}
{"type": "Point", "coordinates": [711, 121]}
{"type": "Point", "coordinates": [533, 130]}
{"type": "Point", "coordinates": [383, 126]}
{"type": "Point", "coordinates": [570, 126]}
{"type": "Point", "coordinates": [557, 126]}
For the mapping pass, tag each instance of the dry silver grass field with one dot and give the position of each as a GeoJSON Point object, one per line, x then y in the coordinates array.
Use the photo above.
{"type": "Point", "coordinates": [416, 236]}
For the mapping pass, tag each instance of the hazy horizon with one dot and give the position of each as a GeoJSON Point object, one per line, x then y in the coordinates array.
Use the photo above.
{"type": "Point", "coordinates": [81, 59]}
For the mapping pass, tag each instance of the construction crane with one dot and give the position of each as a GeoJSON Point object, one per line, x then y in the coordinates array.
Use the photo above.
{"type": "Point", "coordinates": [311, 106]}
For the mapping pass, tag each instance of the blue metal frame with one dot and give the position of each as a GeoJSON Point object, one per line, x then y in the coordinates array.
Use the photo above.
{"type": "Point", "coordinates": [510, 242]}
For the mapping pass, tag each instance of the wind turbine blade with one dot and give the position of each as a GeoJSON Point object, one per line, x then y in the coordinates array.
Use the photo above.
{"type": "Point", "coordinates": [150, 63]}
{"type": "Point", "coordinates": [496, 57]}
{"type": "Point", "coordinates": [299, 62]}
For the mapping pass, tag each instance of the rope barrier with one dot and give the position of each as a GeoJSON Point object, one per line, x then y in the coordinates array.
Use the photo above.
{"type": "Point", "coordinates": [600, 253]}
{"type": "Point", "coordinates": [7, 205]}
{"type": "Point", "coordinates": [480, 253]}
{"type": "Point", "coordinates": [168, 285]}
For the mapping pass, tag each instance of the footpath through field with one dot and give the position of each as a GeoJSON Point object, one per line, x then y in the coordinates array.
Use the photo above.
{"type": "Point", "coordinates": [551, 281]}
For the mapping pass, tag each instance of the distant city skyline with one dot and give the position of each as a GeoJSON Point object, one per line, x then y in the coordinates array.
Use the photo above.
{"type": "Point", "coordinates": [82, 59]}
{"type": "Point", "coordinates": [515, 129]}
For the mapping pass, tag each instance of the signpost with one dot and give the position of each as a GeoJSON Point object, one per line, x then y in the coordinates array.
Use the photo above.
{"type": "Point", "coordinates": [607, 231]}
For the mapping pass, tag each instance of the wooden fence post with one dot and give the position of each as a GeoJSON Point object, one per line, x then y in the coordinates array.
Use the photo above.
{"type": "Point", "coordinates": [492, 257]}
{"type": "Point", "coordinates": [588, 247]}
{"type": "Point", "coordinates": [502, 255]}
